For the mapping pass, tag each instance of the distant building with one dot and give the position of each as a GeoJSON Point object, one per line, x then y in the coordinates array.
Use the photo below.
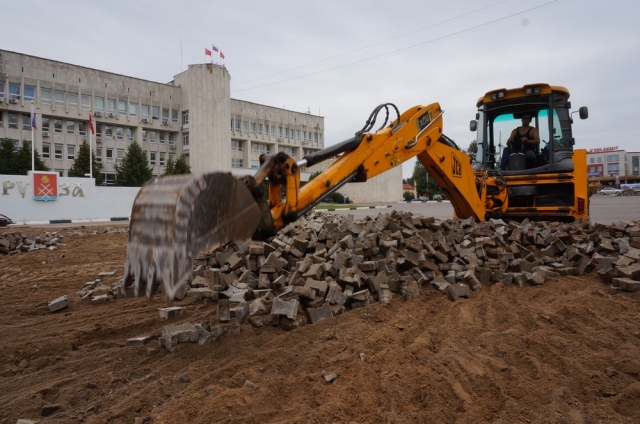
{"type": "Point", "coordinates": [193, 115]}
{"type": "Point", "coordinates": [610, 163]}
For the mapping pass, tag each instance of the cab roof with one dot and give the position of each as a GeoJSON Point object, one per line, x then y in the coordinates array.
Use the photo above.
{"type": "Point", "coordinates": [501, 94]}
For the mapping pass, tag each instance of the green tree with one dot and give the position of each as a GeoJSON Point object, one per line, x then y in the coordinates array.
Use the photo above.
{"type": "Point", "coordinates": [181, 166]}
{"type": "Point", "coordinates": [133, 170]}
{"type": "Point", "coordinates": [423, 181]}
{"type": "Point", "coordinates": [18, 162]}
{"type": "Point", "coordinates": [80, 167]}
{"type": "Point", "coordinates": [170, 168]}
{"type": "Point", "coordinates": [472, 150]}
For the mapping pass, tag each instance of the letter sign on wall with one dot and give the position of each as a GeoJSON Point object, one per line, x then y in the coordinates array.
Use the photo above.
{"type": "Point", "coordinates": [45, 186]}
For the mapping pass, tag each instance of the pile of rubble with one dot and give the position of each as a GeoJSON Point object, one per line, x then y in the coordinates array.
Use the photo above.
{"type": "Point", "coordinates": [324, 265]}
{"type": "Point", "coordinates": [14, 243]}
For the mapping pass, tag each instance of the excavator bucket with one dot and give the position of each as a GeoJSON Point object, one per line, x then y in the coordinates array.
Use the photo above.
{"type": "Point", "coordinates": [176, 217]}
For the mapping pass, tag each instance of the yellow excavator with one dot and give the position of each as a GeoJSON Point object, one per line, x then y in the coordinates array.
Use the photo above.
{"type": "Point", "coordinates": [176, 217]}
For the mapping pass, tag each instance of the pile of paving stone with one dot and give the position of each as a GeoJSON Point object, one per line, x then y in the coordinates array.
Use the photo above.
{"type": "Point", "coordinates": [14, 243]}
{"type": "Point", "coordinates": [325, 265]}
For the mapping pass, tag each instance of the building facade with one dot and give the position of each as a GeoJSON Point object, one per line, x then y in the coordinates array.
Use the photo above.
{"type": "Point", "coordinates": [607, 163]}
{"type": "Point", "coordinates": [193, 115]}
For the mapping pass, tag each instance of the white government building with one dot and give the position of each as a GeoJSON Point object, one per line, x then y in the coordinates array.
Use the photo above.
{"type": "Point", "coordinates": [193, 115]}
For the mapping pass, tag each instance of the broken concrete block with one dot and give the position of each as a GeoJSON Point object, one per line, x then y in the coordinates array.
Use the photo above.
{"type": "Point", "coordinates": [223, 311]}
{"type": "Point", "coordinates": [139, 341]}
{"type": "Point", "coordinates": [319, 314]}
{"type": "Point", "coordinates": [262, 320]}
{"type": "Point", "coordinates": [288, 308]}
{"type": "Point", "coordinates": [627, 284]}
{"type": "Point", "coordinates": [58, 303]}
{"type": "Point", "coordinates": [173, 335]}
{"type": "Point", "coordinates": [171, 311]}
{"type": "Point", "coordinates": [458, 290]}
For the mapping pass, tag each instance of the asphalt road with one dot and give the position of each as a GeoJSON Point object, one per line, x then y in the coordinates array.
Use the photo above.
{"type": "Point", "coordinates": [603, 209]}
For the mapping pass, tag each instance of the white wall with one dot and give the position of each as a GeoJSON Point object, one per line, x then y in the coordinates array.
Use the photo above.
{"type": "Point", "coordinates": [78, 198]}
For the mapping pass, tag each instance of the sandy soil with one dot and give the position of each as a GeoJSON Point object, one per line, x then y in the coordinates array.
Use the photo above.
{"type": "Point", "coordinates": [565, 352]}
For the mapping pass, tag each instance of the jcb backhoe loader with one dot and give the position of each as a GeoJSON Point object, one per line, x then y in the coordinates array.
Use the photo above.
{"type": "Point", "coordinates": [176, 217]}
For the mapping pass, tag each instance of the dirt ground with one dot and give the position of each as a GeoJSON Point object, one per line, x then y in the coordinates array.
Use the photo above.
{"type": "Point", "coordinates": [565, 352]}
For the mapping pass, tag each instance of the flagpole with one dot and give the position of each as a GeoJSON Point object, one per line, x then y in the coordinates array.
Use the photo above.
{"type": "Point", "coordinates": [90, 152]}
{"type": "Point", "coordinates": [33, 143]}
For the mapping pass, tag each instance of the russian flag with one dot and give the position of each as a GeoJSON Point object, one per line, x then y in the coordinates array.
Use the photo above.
{"type": "Point", "coordinates": [33, 120]}
{"type": "Point", "coordinates": [215, 49]}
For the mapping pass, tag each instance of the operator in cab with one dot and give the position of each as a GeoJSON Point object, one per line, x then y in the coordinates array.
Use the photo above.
{"type": "Point", "coordinates": [523, 139]}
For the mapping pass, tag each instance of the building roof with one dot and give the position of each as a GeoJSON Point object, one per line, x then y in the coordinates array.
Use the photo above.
{"type": "Point", "coordinates": [407, 186]}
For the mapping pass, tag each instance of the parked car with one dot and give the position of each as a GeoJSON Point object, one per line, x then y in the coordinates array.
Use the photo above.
{"type": "Point", "coordinates": [423, 198]}
{"type": "Point", "coordinates": [609, 190]}
{"type": "Point", "coordinates": [437, 197]}
{"type": "Point", "coordinates": [5, 220]}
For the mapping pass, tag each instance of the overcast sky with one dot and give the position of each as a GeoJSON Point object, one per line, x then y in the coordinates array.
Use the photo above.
{"type": "Point", "coordinates": [340, 59]}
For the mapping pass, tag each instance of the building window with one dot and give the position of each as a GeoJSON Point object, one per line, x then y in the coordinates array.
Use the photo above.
{"type": "Point", "coordinates": [162, 135]}
{"type": "Point", "coordinates": [71, 151]}
{"type": "Point", "coordinates": [1, 121]}
{"type": "Point", "coordinates": [111, 105]}
{"type": "Point", "coordinates": [255, 164]}
{"type": "Point", "coordinates": [133, 109]}
{"type": "Point", "coordinates": [244, 126]}
{"type": "Point", "coordinates": [255, 147]}
{"type": "Point", "coordinates": [613, 158]}
{"type": "Point", "coordinates": [259, 128]}
{"type": "Point", "coordinates": [16, 145]}
{"type": "Point", "coordinates": [592, 160]}
{"type": "Point", "coordinates": [185, 117]}
{"type": "Point", "coordinates": [57, 125]}
{"type": "Point", "coordinates": [253, 128]}
{"type": "Point", "coordinates": [58, 151]}
{"type": "Point", "coordinates": [46, 150]}
{"type": "Point", "coordinates": [286, 133]}
{"type": "Point", "coordinates": [152, 158]}
{"type": "Point", "coordinates": [236, 163]}
{"type": "Point", "coordinates": [99, 154]}
{"type": "Point", "coordinates": [600, 159]}
{"type": "Point", "coordinates": [185, 140]}
{"type": "Point", "coordinates": [13, 120]}
{"type": "Point", "coordinates": [59, 97]}
{"type": "Point", "coordinates": [82, 128]}
{"type": "Point", "coordinates": [155, 112]}
{"type": "Point", "coordinates": [109, 179]}
{"type": "Point", "coordinates": [279, 132]}
{"type": "Point", "coordinates": [172, 138]}
{"type": "Point", "coordinates": [26, 122]}
{"type": "Point", "coordinates": [165, 114]}
{"type": "Point", "coordinates": [45, 123]}
{"type": "Point", "coordinates": [29, 93]}
{"type": "Point", "coordinates": [1, 89]}
{"type": "Point", "coordinates": [71, 127]}
{"type": "Point", "coordinates": [109, 155]}
{"type": "Point", "coordinates": [174, 116]}
{"type": "Point", "coordinates": [129, 134]}
{"type": "Point", "coordinates": [85, 100]}
{"type": "Point", "coordinates": [298, 135]}
{"type": "Point", "coordinates": [14, 91]}
{"type": "Point", "coordinates": [273, 131]}
{"type": "Point", "coordinates": [99, 104]}
{"type": "Point", "coordinates": [145, 111]}
{"type": "Point", "coordinates": [98, 130]}
{"type": "Point", "coordinates": [45, 96]}
{"type": "Point", "coordinates": [144, 135]}
{"type": "Point", "coordinates": [236, 145]}
{"type": "Point", "coordinates": [72, 100]}
{"type": "Point", "coordinates": [60, 172]}
{"type": "Point", "coordinates": [122, 107]}
{"type": "Point", "coordinates": [108, 131]}
{"type": "Point", "coordinates": [237, 125]}
{"type": "Point", "coordinates": [266, 129]}
{"type": "Point", "coordinates": [162, 159]}
{"type": "Point", "coordinates": [119, 133]}
{"type": "Point", "coordinates": [152, 136]}
{"type": "Point", "coordinates": [120, 153]}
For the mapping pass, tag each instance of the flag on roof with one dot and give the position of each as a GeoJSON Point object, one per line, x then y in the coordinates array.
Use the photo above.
{"type": "Point", "coordinates": [33, 120]}
{"type": "Point", "coordinates": [221, 55]}
{"type": "Point", "coordinates": [91, 125]}
{"type": "Point", "coordinates": [215, 49]}
{"type": "Point", "coordinates": [207, 52]}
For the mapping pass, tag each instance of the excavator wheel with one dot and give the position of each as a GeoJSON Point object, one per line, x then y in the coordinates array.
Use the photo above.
{"type": "Point", "coordinates": [176, 217]}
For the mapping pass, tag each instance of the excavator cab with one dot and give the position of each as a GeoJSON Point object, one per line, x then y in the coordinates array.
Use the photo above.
{"type": "Point", "coordinates": [500, 112]}
{"type": "Point", "coordinates": [550, 182]}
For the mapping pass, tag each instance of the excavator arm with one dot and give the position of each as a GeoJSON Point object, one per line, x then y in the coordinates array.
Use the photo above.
{"type": "Point", "coordinates": [176, 217]}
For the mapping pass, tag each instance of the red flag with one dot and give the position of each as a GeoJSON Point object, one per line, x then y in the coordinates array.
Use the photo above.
{"type": "Point", "coordinates": [207, 52]}
{"type": "Point", "coordinates": [221, 55]}
{"type": "Point", "coordinates": [91, 125]}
